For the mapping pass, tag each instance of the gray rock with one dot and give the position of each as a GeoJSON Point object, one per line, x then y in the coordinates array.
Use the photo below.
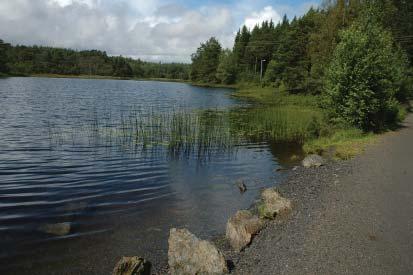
{"type": "Point", "coordinates": [241, 228]}
{"type": "Point", "coordinates": [313, 161]}
{"type": "Point", "coordinates": [132, 266]}
{"type": "Point", "coordinates": [272, 204]}
{"type": "Point", "coordinates": [58, 229]}
{"type": "Point", "coordinates": [189, 255]}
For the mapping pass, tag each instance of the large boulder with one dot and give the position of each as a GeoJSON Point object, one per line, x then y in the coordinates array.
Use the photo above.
{"type": "Point", "coordinates": [241, 228]}
{"type": "Point", "coordinates": [313, 161]}
{"type": "Point", "coordinates": [132, 266]}
{"type": "Point", "coordinates": [272, 204]}
{"type": "Point", "coordinates": [58, 229]}
{"type": "Point", "coordinates": [188, 255]}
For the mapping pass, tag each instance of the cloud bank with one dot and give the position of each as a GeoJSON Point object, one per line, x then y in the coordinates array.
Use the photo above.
{"type": "Point", "coordinates": [150, 30]}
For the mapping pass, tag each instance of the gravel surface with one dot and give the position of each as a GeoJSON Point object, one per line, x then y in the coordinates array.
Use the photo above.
{"type": "Point", "coordinates": [352, 217]}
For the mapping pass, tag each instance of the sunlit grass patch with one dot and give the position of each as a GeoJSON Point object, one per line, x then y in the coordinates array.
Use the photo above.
{"type": "Point", "coordinates": [270, 96]}
{"type": "Point", "coordinates": [342, 144]}
{"type": "Point", "coordinates": [277, 123]}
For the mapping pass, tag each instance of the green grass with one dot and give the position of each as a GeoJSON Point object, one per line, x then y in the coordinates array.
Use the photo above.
{"type": "Point", "coordinates": [342, 144]}
{"type": "Point", "coordinates": [214, 85]}
{"type": "Point", "coordinates": [282, 116]}
{"type": "Point", "coordinates": [272, 97]}
{"type": "Point", "coordinates": [277, 123]}
{"type": "Point", "coordinates": [179, 131]}
{"type": "Point", "coordinates": [274, 116]}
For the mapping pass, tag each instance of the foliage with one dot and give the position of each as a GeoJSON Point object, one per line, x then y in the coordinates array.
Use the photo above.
{"type": "Point", "coordinates": [226, 71]}
{"type": "Point", "coordinates": [402, 25]}
{"type": "Point", "coordinates": [24, 60]}
{"type": "Point", "coordinates": [205, 61]}
{"type": "Point", "coordinates": [365, 75]}
{"type": "Point", "coordinates": [298, 51]}
{"type": "Point", "coordinates": [277, 123]}
{"type": "Point", "coordinates": [3, 57]}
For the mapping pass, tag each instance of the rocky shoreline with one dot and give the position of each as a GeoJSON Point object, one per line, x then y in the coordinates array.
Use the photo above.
{"type": "Point", "coordinates": [302, 188]}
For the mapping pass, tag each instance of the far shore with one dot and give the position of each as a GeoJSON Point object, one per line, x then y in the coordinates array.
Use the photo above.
{"type": "Point", "coordinates": [103, 77]}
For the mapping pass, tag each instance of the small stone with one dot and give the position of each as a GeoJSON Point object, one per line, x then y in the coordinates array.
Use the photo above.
{"type": "Point", "coordinates": [189, 255]}
{"type": "Point", "coordinates": [313, 161]}
{"type": "Point", "coordinates": [241, 186]}
{"type": "Point", "coordinates": [132, 266]}
{"type": "Point", "coordinates": [272, 204]}
{"type": "Point", "coordinates": [241, 228]}
{"type": "Point", "coordinates": [58, 229]}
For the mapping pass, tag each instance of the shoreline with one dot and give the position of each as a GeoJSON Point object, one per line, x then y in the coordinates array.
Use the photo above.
{"type": "Point", "coordinates": [100, 77]}
{"type": "Point", "coordinates": [304, 187]}
{"type": "Point", "coordinates": [97, 77]}
{"type": "Point", "coordinates": [349, 216]}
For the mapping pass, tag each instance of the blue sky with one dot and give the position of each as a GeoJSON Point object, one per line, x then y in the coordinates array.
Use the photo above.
{"type": "Point", "coordinates": [157, 30]}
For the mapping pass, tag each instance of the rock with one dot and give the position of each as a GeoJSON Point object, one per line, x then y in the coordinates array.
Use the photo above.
{"type": "Point", "coordinates": [189, 255]}
{"type": "Point", "coordinates": [241, 228]}
{"type": "Point", "coordinates": [272, 204]}
{"type": "Point", "coordinates": [313, 161]}
{"type": "Point", "coordinates": [58, 229]}
{"type": "Point", "coordinates": [242, 187]}
{"type": "Point", "coordinates": [132, 266]}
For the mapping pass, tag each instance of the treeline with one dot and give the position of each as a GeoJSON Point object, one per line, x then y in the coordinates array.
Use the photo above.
{"type": "Point", "coordinates": [24, 60]}
{"type": "Point", "coordinates": [294, 53]}
{"type": "Point", "coordinates": [355, 54]}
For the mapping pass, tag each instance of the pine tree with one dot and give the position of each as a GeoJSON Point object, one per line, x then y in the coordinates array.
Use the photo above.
{"type": "Point", "coordinates": [3, 57]}
{"type": "Point", "coordinates": [205, 61]}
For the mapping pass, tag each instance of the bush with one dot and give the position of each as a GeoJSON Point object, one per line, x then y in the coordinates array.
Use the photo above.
{"type": "Point", "coordinates": [365, 76]}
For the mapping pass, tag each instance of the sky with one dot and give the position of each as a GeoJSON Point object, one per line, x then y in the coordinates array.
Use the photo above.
{"type": "Point", "coordinates": [152, 30]}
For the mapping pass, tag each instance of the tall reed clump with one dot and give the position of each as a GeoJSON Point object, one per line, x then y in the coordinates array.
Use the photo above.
{"type": "Point", "coordinates": [279, 123]}
{"type": "Point", "coordinates": [180, 132]}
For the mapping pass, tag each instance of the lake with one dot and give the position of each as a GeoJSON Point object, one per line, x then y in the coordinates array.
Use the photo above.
{"type": "Point", "coordinates": [65, 157]}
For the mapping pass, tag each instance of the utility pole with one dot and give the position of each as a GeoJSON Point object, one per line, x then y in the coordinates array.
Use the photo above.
{"type": "Point", "coordinates": [262, 61]}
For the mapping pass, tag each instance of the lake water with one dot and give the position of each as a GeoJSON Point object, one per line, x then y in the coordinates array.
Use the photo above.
{"type": "Point", "coordinates": [118, 201]}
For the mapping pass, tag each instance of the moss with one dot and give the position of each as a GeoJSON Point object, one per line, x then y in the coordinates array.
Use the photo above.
{"type": "Point", "coordinates": [263, 212]}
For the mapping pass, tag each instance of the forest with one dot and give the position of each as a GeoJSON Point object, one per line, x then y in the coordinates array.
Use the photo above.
{"type": "Point", "coordinates": [355, 54]}
{"type": "Point", "coordinates": [24, 60]}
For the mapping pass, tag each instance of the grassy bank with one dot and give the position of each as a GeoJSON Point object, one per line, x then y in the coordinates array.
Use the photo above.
{"type": "Point", "coordinates": [214, 85]}
{"type": "Point", "coordinates": [301, 120]}
{"type": "Point", "coordinates": [275, 116]}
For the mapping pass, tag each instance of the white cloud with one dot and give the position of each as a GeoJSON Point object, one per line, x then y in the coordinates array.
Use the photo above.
{"type": "Point", "coordinates": [64, 3]}
{"type": "Point", "coordinates": [122, 27]}
{"type": "Point", "coordinates": [149, 29]}
{"type": "Point", "coordinates": [267, 14]}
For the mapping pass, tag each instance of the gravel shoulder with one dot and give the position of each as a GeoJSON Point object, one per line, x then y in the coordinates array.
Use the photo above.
{"type": "Point", "coordinates": [351, 217]}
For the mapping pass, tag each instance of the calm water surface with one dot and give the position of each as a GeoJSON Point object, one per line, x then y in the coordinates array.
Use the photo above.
{"type": "Point", "coordinates": [118, 202]}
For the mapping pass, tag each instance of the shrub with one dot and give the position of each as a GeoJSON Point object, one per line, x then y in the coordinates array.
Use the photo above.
{"type": "Point", "coordinates": [366, 73]}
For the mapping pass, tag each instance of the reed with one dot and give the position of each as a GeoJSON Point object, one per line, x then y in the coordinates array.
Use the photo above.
{"type": "Point", "coordinates": [278, 123]}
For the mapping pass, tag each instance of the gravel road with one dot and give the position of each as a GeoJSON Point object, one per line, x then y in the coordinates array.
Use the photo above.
{"type": "Point", "coordinates": [352, 217]}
